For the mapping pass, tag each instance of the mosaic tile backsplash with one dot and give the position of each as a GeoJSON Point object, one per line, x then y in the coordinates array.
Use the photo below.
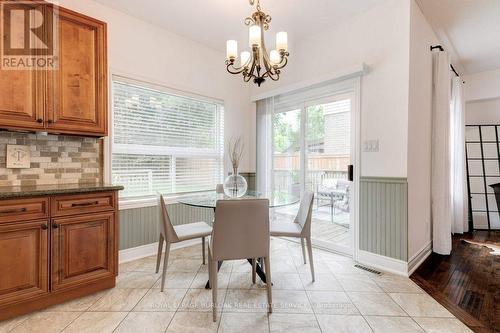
{"type": "Point", "coordinates": [55, 159]}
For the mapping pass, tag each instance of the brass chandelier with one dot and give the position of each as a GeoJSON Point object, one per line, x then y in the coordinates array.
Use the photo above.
{"type": "Point", "coordinates": [258, 65]}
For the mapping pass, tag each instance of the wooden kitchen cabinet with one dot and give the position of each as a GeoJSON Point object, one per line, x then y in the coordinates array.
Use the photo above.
{"type": "Point", "coordinates": [72, 98]}
{"type": "Point", "coordinates": [23, 261]}
{"type": "Point", "coordinates": [77, 90]}
{"type": "Point", "coordinates": [82, 249]}
{"type": "Point", "coordinates": [56, 247]}
{"type": "Point", "coordinates": [21, 102]}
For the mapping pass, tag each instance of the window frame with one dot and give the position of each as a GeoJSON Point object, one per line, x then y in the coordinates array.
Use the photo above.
{"type": "Point", "coordinates": [109, 147]}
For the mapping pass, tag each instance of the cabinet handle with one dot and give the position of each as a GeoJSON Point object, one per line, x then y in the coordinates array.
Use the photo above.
{"type": "Point", "coordinates": [50, 121]}
{"type": "Point", "coordinates": [20, 210]}
{"type": "Point", "coordinates": [90, 203]}
{"type": "Point", "coordinates": [44, 227]}
{"type": "Point", "coordinates": [55, 225]}
{"type": "Point", "coordinates": [39, 120]}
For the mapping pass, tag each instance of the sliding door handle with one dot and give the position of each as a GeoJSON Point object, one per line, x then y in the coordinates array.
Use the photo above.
{"type": "Point", "coordinates": [350, 172]}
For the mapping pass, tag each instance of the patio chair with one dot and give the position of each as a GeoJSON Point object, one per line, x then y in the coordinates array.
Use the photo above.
{"type": "Point", "coordinates": [334, 190]}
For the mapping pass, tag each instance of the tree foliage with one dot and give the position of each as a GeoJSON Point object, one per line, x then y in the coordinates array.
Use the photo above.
{"type": "Point", "coordinates": [287, 128]}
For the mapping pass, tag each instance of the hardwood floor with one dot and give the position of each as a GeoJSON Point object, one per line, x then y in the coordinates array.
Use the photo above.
{"type": "Point", "coordinates": [467, 282]}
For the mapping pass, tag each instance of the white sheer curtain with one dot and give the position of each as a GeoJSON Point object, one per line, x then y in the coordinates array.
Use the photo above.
{"type": "Point", "coordinates": [441, 165]}
{"type": "Point", "coordinates": [264, 144]}
{"type": "Point", "coordinates": [457, 147]}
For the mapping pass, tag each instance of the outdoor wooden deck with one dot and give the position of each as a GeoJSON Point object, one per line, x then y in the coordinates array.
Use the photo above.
{"type": "Point", "coordinates": [324, 227]}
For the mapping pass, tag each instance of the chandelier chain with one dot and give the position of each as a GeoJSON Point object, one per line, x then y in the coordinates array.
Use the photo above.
{"type": "Point", "coordinates": [252, 2]}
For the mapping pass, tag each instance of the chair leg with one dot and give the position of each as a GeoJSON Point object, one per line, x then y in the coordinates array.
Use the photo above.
{"type": "Point", "coordinates": [303, 250]}
{"type": "Point", "coordinates": [254, 270]}
{"type": "Point", "coordinates": [158, 255]}
{"type": "Point", "coordinates": [213, 284]}
{"type": "Point", "coordinates": [165, 263]}
{"type": "Point", "coordinates": [203, 248]}
{"type": "Point", "coordinates": [311, 262]}
{"type": "Point", "coordinates": [267, 264]}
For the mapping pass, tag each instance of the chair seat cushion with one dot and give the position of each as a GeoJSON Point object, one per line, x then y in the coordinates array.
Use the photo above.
{"type": "Point", "coordinates": [286, 229]}
{"type": "Point", "coordinates": [192, 230]}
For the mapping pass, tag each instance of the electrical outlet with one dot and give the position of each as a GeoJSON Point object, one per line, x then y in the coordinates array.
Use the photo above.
{"type": "Point", "coordinates": [371, 146]}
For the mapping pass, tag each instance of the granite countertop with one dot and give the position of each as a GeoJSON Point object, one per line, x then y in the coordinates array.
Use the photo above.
{"type": "Point", "coordinates": [8, 192]}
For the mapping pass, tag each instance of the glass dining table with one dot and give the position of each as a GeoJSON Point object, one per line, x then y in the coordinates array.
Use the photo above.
{"type": "Point", "coordinates": [209, 200]}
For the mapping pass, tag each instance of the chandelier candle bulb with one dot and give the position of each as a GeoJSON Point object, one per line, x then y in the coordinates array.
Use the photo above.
{"type": "Point", "coordinates": [282, 41]}
{"type": "Point", "coordinates": [275, 57]}
{"type": "Point", "coordinates": [231, 49]}
{"type": "Point", "coordinates": [244, 58]}
{"type": "Point", "coordinates": [254, 34]}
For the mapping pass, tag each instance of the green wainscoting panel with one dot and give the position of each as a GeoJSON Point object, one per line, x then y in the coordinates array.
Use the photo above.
{"type": "Point", "coordinates": [250, 178]}
{"type": "Point", "coordinates": [383, 219]}
{"type": "Point", "coordinates": [139, 226]}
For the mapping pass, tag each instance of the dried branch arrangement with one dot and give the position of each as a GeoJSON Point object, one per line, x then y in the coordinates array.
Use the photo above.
{"type": "Point", "coordinates": [235, 149]}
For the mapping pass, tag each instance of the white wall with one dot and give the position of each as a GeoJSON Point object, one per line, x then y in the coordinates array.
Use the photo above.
{"type": "Point", "coordinates": [485, 112]}
{"type": "Point", "coordinates": [483, 85]}
{"type": "Point", "coordinates": [380, 38]}
{"type": "Point", "coordinates": [419, 131]}
{"type": "Point", "coordinates": [141, 50]}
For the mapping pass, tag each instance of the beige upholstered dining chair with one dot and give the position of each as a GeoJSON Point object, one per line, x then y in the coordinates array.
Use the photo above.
{"type": "Point", "coordinates": [300, 228]}
{"type": "Point", "coordinates": [241, 231]}
{"type": "Point", "coordinates": [174, 234]}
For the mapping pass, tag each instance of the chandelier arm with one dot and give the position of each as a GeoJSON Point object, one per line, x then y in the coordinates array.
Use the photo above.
{"type": "Point", "coordinates": [283, 63]}
{"type": "Point", "coordinates": [234, 70]}
{"type": "Point", "coordinates": [273, 74]}
{"type": "Point", "coordinates": [255, 60]}
{"type": "Point", "coordinates": [249, 21]}
{"type": "Point", "coordinates": [265, 56]}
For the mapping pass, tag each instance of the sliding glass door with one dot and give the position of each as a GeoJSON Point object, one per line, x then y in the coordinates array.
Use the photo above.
{"type": "Point", "coordinates": [287, 152]}
{"type": "Point", "coordinates": [328, 156]}
{"type": "Point", "coordinates": [312, 150]}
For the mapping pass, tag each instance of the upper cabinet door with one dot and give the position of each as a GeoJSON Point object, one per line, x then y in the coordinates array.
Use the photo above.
{"type": "Point", "coordinates": [77, 90]}
{"type": "Point", "coordinates": [21, 90]}
{"type": "Point", "coordinates": [21, 103]}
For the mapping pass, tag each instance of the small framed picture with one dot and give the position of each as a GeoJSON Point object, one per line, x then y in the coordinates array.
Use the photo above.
{"type": "Point", "coordinates": [18, 157]}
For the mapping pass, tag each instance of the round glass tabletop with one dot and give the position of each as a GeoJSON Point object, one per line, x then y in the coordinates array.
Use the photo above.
{"type": "Point", "coordinates": [209, 199]}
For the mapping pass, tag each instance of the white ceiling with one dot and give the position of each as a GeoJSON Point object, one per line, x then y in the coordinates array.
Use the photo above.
{"type": "Point", "coordinates": [470, 27]}
{"type": "Point", "coordinates": [212, 22]}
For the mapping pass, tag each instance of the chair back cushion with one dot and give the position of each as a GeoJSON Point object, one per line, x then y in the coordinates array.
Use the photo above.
{"type": "Point", "coordinates": [241, 229]}
{"type": "Point", "coordinates": [305, 212]}
{"type": "Point", "coordinates": [166, 227]}
{"type": "Point", "coordinates": [219, 189]}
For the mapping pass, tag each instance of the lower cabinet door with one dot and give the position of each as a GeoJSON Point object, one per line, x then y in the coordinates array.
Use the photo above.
{"type": "Point", "coordinates": [24, 265]}
{"type": "Point", "coordinates": [83, 249]}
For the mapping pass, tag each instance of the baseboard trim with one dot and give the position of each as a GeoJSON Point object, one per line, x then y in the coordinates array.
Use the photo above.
{"type": "Point", "coordinates": [419, 258]}
{"type": "Point", "coordinates": [383, 263]}
{"type": "Point", "coordinates": [147, 250]}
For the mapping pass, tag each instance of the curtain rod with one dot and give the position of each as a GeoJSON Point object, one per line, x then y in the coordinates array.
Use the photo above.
{"type": "Point", "coordinates": [440, 48]}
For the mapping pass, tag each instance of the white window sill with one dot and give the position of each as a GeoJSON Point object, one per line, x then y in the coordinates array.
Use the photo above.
{"type": "Point", "coordinates": [152, 201]}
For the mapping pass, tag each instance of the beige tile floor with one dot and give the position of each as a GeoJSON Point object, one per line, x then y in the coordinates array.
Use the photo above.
{"type": "Point", "coordinates": [343, 299]}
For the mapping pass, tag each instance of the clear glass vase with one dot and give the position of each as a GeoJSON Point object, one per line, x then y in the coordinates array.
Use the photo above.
{"type": "Point", "coordinates": [235, 186]}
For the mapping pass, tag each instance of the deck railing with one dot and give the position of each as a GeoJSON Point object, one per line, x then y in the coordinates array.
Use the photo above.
{"type": "Point", "coordinates": [289, 180]}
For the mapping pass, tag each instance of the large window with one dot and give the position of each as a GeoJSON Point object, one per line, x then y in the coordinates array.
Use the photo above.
{"type": "Point", "coordinates": [165, 142]}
